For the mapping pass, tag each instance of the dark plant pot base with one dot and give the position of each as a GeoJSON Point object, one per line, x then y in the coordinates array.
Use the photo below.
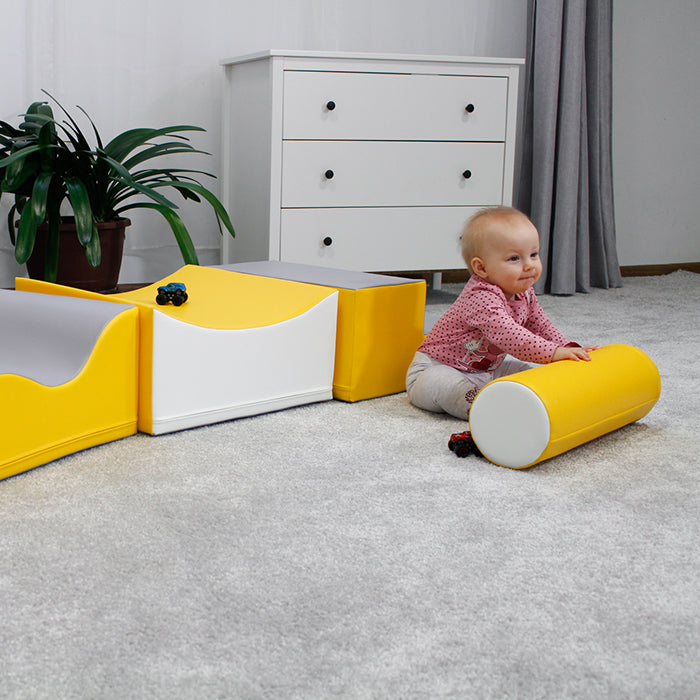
{"type": "Point", "coordinates": [73, 267]}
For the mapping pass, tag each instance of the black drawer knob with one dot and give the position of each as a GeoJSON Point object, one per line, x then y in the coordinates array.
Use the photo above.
{"type": "Point", "coordinates": [327, 241]}
{"type": "Point", "coordinates": [329, 174]}
{"type": "Point", "coordinates": [467, 174]}
{"type": "Point", "coordinates": [330, 106]}
{"type": "Point", "coordinates": [469, 108]}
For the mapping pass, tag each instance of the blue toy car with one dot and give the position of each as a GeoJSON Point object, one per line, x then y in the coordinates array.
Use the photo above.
{"type": "Point", "coordinates": [174, 292]}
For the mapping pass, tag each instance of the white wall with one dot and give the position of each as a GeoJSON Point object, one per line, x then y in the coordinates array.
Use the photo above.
{"type": "Point", "coordinates": [656, 149]}
{"type": "Point", "coordinates": [153, 63]}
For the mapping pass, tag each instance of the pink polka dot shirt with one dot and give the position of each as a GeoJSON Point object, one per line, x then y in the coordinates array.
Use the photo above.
{"type": "Point", "coordinates": [482, 326]}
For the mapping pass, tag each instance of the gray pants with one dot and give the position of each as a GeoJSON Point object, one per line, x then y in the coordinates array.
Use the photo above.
{"type": "Point", "coordinates": [442, 389]}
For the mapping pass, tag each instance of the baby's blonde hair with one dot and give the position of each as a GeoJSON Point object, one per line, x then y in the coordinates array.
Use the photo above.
{"type": "Point", "coordinates": [478, 226]}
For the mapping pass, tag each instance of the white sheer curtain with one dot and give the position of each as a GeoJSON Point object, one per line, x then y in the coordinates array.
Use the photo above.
{"type": "Point", "coordinates": [566, 174]}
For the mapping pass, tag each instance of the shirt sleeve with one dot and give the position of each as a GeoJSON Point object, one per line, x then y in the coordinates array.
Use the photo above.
{"type": "Point", "coordinates": [538, 322]}
{"type": "Point", "coordinates": [490, 315]}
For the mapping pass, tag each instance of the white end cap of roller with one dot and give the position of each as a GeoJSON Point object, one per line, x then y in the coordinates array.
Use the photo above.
{"type": "Point", "coordinates": [510, 424]}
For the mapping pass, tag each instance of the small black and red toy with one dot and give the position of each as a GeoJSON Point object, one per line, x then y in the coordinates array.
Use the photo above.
{"type": "Point", "coordinates": [462, 444]}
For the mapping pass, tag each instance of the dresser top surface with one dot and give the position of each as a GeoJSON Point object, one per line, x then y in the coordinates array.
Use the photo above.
{"type": "Point", "coordinates": [277, 53]}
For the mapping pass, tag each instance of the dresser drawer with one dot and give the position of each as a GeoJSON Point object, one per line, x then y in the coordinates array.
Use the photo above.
{"type": "Point", "coordinates": [328, 105]}
{"type": "Point", "coordinates": [379, 239]}
{"type": "Point", "coordinates": [388, 173]}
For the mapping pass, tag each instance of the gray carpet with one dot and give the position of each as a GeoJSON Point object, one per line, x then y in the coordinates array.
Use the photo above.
{"type": "Point", "coordinates": [340, 550]}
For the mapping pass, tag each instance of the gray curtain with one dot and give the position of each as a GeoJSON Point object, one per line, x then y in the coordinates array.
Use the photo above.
{"type": "Point", "coordinates": [565, 180]}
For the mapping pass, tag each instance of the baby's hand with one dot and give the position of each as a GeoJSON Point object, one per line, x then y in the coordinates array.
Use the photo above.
{"type": "Point", "coordinates": [574, 353]}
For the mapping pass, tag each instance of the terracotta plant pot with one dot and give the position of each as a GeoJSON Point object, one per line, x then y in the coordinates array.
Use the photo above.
{"type": "Point", "coordinates": [73, 267]}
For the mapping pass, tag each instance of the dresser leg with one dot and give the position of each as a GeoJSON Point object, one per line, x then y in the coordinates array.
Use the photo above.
{"type": "Point", "coordinates": [437, 280]}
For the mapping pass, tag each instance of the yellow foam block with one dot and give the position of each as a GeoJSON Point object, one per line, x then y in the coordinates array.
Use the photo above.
{"type": "Point", "coordinates": [40, 423]}
{"type": "Point", "coordinates": [240, 345]}
{"type": "Point", "coordinates": [380, 324]}
{"type": "Point", "coordinates": [379, 331]}
{"type": "Point", "coordinates": [216, 300]}
{"type": "Point", "coordinates": [525, 418]}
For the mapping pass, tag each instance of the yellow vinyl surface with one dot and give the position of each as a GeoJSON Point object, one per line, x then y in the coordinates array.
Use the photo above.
{"type": "Point", "coordinates": [583, 400]}
{"type": "Point", "coordinates": [379, 328]}
{"type": "Point", "coordinates": [217, 298]}
{"type": "Point", "coordinates": [41, 423]}
{"type": "Point", "coordinates": [379, 331]}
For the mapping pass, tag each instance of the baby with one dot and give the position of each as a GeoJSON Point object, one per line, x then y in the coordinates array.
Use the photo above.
{"type": "Point", "coordinates": [496, 327]}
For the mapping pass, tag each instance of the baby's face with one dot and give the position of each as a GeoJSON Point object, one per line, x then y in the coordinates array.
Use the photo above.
{"type": "Point", "coordinates": [511, 256]}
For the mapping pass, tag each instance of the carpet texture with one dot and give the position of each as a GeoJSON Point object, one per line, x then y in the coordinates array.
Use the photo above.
{"type": "Point", "coordinates": [341, 550]}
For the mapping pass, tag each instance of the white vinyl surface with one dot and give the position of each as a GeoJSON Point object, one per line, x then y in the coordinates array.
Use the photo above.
{"type": "Point", "coordinates": [509, 424]}
{"type": "Point", "coordinates": [206, 375]}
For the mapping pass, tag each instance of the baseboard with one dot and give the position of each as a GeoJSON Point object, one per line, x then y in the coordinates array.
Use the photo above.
{"type": "Point", "coordinates": [653, 270]}
{"type": "Point", "coordinates": [461, 276]}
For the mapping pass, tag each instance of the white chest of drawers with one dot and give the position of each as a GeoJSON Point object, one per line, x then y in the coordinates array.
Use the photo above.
{"type": "Point", "coordinates": [366, 162]}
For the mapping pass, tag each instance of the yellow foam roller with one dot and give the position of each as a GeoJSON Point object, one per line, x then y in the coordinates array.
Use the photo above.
{"type": "Point", "coordinates": [525, 418]}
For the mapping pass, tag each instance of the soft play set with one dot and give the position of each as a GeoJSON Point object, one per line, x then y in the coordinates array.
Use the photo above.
{"type": "Point", "coordinates": [240, 346]}
{"type": "Point", "coordinates": [209, 344]}
{"type": "Point", "coordinates": [68, 376]}
{"type": "Point", "coordinates": [522, 419]}
{"type": "Point", "coordinates": [380, 324]}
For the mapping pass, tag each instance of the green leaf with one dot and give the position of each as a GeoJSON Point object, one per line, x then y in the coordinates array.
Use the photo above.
{"type": "Point", "coordinates": [153, 179]}
{"type": "Point", "coordinates": [123, 144]}
{"type": "Point", "coordinates": [47, 135]}
{"type": "Point", "coordinates": [19, 173]}
{"type": "Point", "coordinates": [38, 114]}
{"type": "Point", "coordinates": [19, 155]}
{"type": "Point", "coordinates": [127, 181]}
{"type": "Point", "coordinates": [98, 139]}
{"type": "Point", "coordinates": [158, 150]}
{"type": "Point", "coordinates": [82, 211]}
{"type": "Point", "coordinates": [218, 207]}
{"type": "Point", "coordinates": [26, 235]}
{"type": "Point", "coordinates": [8, 130]}
{"type": "Point", "coordinates": [79, 141]}
{"type": "Point", "coordinates": [186, 193]}
{"type": "Point", "coordinates": [93, 248]}
{"type": "Point", "coordinates": [11, 223]}
{"type": "Point", "coordinates": [187, 249]}
{"type": "Point", "coordinates": [168, 176]}
{"type": "Point", "coordinates": [40, 193]}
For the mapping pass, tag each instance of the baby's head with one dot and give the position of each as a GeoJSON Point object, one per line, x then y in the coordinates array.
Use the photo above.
{"type": "Point", "coordinates": [501, 245]}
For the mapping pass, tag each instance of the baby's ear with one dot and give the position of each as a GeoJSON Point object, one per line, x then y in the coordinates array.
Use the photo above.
{"type": "Point", "coordinates": [478, 267]}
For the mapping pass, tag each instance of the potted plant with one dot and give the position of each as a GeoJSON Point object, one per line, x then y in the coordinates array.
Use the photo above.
{"type": "Point", "coordinates": [51, 166]}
